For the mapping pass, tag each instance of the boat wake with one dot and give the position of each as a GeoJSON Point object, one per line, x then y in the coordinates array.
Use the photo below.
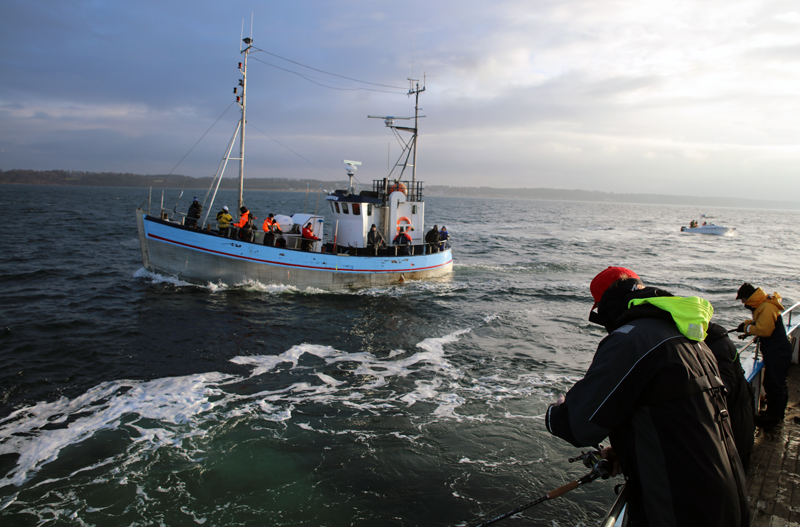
{"type": "Point", "coordinates": [180, 417]}
{"type": "Point", "coordinates": [435, 285]}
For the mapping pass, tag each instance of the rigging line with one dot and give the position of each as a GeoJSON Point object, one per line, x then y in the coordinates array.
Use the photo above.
{"type": "Point", "coordinates": [298, 155]}
{"type": "Point", "coordinates": [328, 73]}
{"type": "Point", "coordinates": [198, 141]}
{"type": "Point", "coordinates": [292, 151]}
{"type": "Point", "coordinates": [323, 85]}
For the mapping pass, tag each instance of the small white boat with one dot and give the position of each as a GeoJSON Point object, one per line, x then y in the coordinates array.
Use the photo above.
{"type": "Point", "coordinates": [203, 253]}
{"type": "Point", "coordinates": [718, 230]}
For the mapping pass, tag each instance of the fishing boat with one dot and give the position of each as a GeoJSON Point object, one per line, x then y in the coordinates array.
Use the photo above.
{"type": "Point", "coordinates": [708, 228]}
{"type": "Point", "coordinates": [305, 254]}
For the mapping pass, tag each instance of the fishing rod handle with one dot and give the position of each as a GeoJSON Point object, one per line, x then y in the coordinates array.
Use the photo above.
{"type": "Point", "coordinates": [572, 485]}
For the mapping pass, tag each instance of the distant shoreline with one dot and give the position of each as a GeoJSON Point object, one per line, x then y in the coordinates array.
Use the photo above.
{"type": "Point", "coordinates": [110, 179]}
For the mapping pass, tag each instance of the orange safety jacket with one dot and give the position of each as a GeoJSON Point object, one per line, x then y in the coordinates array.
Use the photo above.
{"type": "Point", "coordinates": [243, 220]}
{"type": "Point", "coordinates": [269, 222]}
{"type": "Point", "coordinates": [309, 234]}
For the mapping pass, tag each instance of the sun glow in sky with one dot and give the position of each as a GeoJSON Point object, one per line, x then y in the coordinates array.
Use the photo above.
{"type": "Point", "coordinates": [642, 96]}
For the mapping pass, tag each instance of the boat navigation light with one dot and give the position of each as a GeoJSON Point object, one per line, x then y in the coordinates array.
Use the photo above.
{"type": "Point", "coordinates": [235, 89]}
{"type": "Point", "coordinates": [240, 65]}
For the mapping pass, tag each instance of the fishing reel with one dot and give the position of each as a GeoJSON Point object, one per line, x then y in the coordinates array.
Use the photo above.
{"type": "Point", "coordinates": [601, 468]}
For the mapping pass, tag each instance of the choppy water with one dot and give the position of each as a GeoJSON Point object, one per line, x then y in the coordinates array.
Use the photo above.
{"type": "Point", "coordinates": [135, 399]}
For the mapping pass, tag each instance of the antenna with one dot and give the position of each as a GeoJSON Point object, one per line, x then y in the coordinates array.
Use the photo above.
{"type": "Point", "coordinates": [241, 36]}
{"type": "Point", "coordinates": [251, 24]}
{"type": "Point", "coordinates": [351, 171]}
{"type": "Point", "coordinates": [388, 119]}
{"type": "Point", "coordinates": [413, 51]}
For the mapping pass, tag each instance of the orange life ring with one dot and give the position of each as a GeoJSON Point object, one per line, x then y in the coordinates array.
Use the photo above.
{"type": "Point", "coordinates": [401, 187]}
{"type": "Point", "coordinates": [402, 218]}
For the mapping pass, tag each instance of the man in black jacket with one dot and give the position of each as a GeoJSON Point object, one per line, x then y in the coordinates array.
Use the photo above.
{"type": "Point", "coordinates": [654, 390]}
{"type": "Point", "coordinates": [195, 209]}
{"type": "Point", "coordinates": [738, 396]}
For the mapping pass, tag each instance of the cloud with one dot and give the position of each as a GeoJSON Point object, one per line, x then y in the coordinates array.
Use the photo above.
{"type": "Point", "coordinates": [584, 94]}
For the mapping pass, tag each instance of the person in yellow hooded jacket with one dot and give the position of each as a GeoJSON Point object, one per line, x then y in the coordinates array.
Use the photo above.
{"type": "Point", "coordinates": [767, 324]}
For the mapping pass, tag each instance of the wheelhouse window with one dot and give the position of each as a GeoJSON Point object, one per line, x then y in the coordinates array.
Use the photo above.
{"type": "Point", "coordinates": [369, 209]}
{"type": "Point", "coordinates": [344, 208]}
{"type": "Point", "coordinates": [357, 209]}
{"type": "Point", "coordinates": [336, 204]}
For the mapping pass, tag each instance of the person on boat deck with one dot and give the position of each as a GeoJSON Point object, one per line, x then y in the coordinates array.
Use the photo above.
{"type": "Point", "coordinates": [194, 213]}
{"type": "Point", "coordinates": [308, 237]}
{"type": "Point", "coordinates": [432, 239]}
{"type": "Point", "coordinates": [244, 217]}
{"type": "Point", "coordinates": [274, 236]}
{"type": "Point", "coordinates": [739, 395]}
{"type": "Point", "coordinates": [443, 237]}
{"type": "Point", "coordinates": [767, 324]}
{"type": "Point", "coordinates": [403, 240]}
{"type": "Point", "coordinates": [271, 225]}
{"type": "Point", "coordinates": [224, 220]}
{"type": "Point", "coordinates": [654, 389]}
{"type": "Point", "coordinates": [374, 240]}
{"type": "Point", "coordinates": [245, 224]}
{"type": "Point", "coordinates": [692, 224]}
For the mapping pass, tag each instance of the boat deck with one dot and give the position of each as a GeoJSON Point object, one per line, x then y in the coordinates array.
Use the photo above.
{"type": "Point", "coordinates": [773, 484]}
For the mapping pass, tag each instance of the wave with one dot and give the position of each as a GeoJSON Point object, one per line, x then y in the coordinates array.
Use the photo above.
{"type": "Point", "coordinates": [180, 413]}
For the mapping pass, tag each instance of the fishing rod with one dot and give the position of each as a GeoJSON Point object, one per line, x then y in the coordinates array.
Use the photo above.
{"type": "Point", "coordinates": [600, 468]}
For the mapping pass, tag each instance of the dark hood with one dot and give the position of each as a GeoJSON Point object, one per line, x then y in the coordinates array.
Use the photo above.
{"type": "Point", "coordinates": [613, 312]}
{"type": "Point", "coordinates": [715, 332]}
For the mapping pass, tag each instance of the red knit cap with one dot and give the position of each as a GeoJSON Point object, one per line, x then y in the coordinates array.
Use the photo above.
{"type": "Point", "coordinates": [603, 280]}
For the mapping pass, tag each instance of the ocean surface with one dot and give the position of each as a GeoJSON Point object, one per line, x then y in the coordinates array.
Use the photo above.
{"type": "Point", "coordinates": [128, 398]}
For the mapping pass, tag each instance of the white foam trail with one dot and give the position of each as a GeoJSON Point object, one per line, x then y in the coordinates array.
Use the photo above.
{"type": "Point", "coordinates": [176, 412]}
{"type": "Point", "coordinates": [157, 278]}
{"type": "Point", "coordinates": [176, 400]}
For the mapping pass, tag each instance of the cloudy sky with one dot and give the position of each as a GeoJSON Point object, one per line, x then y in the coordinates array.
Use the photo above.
{"type": "Point", "coordinates": [696, 97]}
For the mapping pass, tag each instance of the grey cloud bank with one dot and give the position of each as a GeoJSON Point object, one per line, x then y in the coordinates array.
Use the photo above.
{"type": "Point", "coordinates": [694, 98]}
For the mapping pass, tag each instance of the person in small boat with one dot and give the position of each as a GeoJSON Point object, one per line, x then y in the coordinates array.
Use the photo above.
{"type": "Point", "coordinates": [402, 240]}
{"type": "Point", "coordinates": [224, 220]}
{"type": "Point", "coordinates": [374, 240]}
{"type": "Point", "coordinates": [443, 237]}
{"type": "Point", "coordinates": [767, 324]}
{"type": "Point", "coordinates": [432, 239]}
{"type": "Point", "coordinates": [692, 224]}
{"type": "Point", "coordinates": [739, 395]}
{"type": "Point", "coordinates": [308, 237]}
{"type": "Point", "coordinates": [194, 213]}
{"type": "Point", "coordinates": [654, 390]}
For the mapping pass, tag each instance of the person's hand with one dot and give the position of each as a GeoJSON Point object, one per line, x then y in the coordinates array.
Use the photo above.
{"type": "Point", "coordinates": [608, 453]}
{"type": "Point", "coordinates": [743, 336]}
{"type": "Point", "coordinates": [560, 400]}
{"type": "Point", "coordinates": [740, 327]}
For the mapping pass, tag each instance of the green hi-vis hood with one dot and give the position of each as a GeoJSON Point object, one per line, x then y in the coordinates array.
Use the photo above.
{"type": "Point", "coordinates": [691, 314]}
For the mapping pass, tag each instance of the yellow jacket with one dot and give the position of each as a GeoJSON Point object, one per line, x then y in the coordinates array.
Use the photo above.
{"type": "Point", "coordinates": [224, 219]}
{"type": "Point", "coordinates": [767, 310]}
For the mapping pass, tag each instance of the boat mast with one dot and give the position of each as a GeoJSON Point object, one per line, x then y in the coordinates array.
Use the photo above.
{"type": "Point", "coordinates": [243, 83]}
{"type": "Point", "coordinates": [416, 92]}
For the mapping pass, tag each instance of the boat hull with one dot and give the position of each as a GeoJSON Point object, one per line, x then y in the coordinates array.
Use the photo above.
{"type": "Point", "coordinates": [717, 230]}
{"type": "Point", "coordinates": [198, 257]}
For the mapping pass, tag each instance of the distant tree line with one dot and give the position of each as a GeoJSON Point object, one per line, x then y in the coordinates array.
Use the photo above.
{"type": "Point", "coordinates": [115, 179]}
